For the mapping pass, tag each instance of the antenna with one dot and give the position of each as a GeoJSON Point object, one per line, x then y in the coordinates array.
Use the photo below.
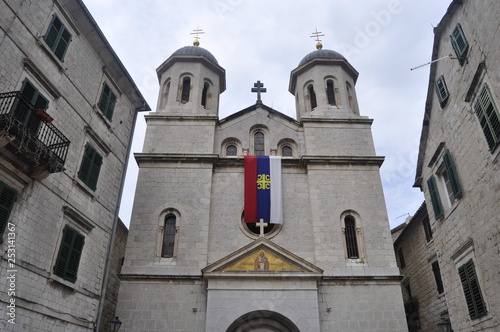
{"type": "Point", "coordinates": [407, 219]}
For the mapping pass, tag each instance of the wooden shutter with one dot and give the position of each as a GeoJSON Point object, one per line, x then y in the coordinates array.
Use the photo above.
{"type": "Point", "coordinates": [472, 291]}
{"type": "Point", "coordinates": [459, 43]}
{"type": "Point", "coordinates": [7, 199]}
{"type": "Point", "coordinates": [69, 255]}
{"type": "Point", "coordinates": [441, 91]}
{"type": "Point", "coordinates": [435, 199]}
{"type": "Point", "coordinates": [53, 32]}
{"type": "Point", "coordinates": [488, 117]}
{"type": "Point", "coordinates": [58, 38]}
{"type": "Point", "coordinates": [452, 174]}
{"type": "Point", "coordinates": [107, 101]}
{"type": "Point", "coordinates": [90, 167]}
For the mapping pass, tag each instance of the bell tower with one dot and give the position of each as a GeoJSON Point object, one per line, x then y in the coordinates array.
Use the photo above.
{"type": "Point", "coordinates": [323, 85]}
{"type": "Point", "coordinates": [191, 82]}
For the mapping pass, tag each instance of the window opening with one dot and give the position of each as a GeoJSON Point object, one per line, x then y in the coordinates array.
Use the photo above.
{"type": "Point", "coordinates": [186, 88]}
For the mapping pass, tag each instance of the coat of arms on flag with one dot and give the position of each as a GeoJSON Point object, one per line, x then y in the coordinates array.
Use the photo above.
{"type": "Point", "coordinates": [263, 189]}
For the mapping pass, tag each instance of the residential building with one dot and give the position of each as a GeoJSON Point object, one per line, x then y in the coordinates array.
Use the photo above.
{"type": "Point", "coordinates": [458, 170]}
{"type": "Point", "coordinates": [67, 112]}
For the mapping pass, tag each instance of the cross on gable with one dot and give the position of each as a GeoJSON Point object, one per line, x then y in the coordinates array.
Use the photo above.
{"type": "Point", "coordinates": [261, 224]}
{"type": "Point", "coordinates": [259, 87]}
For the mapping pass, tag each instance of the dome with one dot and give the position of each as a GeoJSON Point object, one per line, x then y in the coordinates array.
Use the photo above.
{"type": "Point", "coordinates": [196, 50]}
{"type": "Point", "coordinates": [321, 54]}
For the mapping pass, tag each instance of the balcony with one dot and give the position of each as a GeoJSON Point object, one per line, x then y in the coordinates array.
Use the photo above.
{"type": "Point", "coordinates": [28, 139]}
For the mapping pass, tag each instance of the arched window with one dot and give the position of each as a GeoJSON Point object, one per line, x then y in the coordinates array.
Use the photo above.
{"type": "Point", "coordinates": [351, 238]}
{"type": "Point", "coordinates": [330, 92]}
{"type": "Point", "coordinates": [169, 232]}
{"type": "Point", "coordinates": [186, 88]}
{"type": "Point", "coordinates": [286, 151]}
{"type": "Point", "coordinates": [258, 144]}
{"type": "Point", "coordinates": [204, 95]}
{"type": "Point", "coordinates": [231, 150]}
{"type": "Point", "coordinates": [312, 96]}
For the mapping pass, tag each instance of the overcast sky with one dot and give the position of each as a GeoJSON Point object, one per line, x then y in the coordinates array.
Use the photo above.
{"type": "Point", "coordinates": [265, 40]}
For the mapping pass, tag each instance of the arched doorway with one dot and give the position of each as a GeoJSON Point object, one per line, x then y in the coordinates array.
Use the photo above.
{"type": "Point", "coordinates": [262, 321]}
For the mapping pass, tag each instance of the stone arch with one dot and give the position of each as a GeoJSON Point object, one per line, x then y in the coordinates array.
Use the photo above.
{"type": "Point", "coordinates": [288, 142]}
{"type": "Point", "coordinates": [262, 321]}
{"type": "Point", "coordinates": [231, 141]}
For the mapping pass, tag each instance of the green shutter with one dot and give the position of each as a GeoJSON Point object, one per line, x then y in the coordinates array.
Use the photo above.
{"type": "Point", "coordinates": [90, 167]}
{"type": "Point", "coordinates": [452, 174]}
{"type": "Point", "coordinates": [7, 199]}
{"type": "Point", "coordinates": [459, 42]}
{"type": "Point", "coordinates": [441, 91]}
{"type": "Point", "coordinates": [435, 199]}
{"type": "Point", "coordinates": [472, 291]}
{"type": "Point", "coordinates": [69, 255]}
{"type": "Point", "coordinates": [488, 116]}
{"type": "Point", "coordinates": [58, 38]}
{"type": "Point", "coordinates": [53, 32]}
{"type": "Point", "coordinates": [107, 101]}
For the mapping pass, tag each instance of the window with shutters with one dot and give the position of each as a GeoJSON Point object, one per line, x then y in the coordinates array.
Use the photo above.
{"type": "Point", "coordinates": [472, 290]}
{"type": "Point", "coordinates": [24, 114]}
{"type": "Point", "coordinates": [7, 199]}
{"type": "Point", "coordinates": [169, 236]}
{"type": "Point", "coordinates": [90, 167]}
{"type": "Point", "coordinates": [437, 277]}
{"type": "Point", "coordinates": [441, 90]}
{"type": "Point", "coordinates": [459, 43]}
{"type": "Point", "coordinates": [58, 38]}
{"type": "Point", "coordinates": [489, 117]}
{"type": "Point", "coordinates": [107, 101]}
{"type": "Point", "coordinates": [70, 251]}
{"type": "Point", "coordinates": [444, 186]}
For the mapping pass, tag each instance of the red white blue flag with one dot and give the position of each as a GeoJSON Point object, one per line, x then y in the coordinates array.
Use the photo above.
{"type": "Point", "coordinates": [263, 189]}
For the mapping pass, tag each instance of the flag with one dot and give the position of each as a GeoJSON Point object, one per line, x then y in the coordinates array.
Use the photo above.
{"type": "Point", "coordinates": [263, 189]}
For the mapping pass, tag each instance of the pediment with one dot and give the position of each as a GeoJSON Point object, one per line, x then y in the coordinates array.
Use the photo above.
{"type": "Point", "coordinates": [265, 258]}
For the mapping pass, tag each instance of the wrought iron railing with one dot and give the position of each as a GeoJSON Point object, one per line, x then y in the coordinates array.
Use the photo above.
{"type": "Point", "coordinates": [33, 130]}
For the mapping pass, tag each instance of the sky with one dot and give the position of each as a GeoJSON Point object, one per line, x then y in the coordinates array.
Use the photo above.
{"type": "Point", "coordinates": [265, 40]}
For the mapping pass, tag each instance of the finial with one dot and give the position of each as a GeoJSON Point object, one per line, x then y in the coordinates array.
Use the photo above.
{"type": "Point", "coordinates": [318, 34]}
{"type": "Point", "coordinates": [197, 32]}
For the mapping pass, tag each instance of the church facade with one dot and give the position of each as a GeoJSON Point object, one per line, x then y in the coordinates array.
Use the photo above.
{"type": "Point", "coordinates": [193, 264]}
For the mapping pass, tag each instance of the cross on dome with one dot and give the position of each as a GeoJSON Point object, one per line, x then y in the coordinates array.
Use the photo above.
{"type": "Point", "coordinates": [197, 32]}
{"type": "Point", "coordinates": [316, 35]}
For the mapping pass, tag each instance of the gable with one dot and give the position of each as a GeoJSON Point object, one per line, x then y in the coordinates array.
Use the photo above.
{"type": "Point", "coordinates": [262, 257]}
